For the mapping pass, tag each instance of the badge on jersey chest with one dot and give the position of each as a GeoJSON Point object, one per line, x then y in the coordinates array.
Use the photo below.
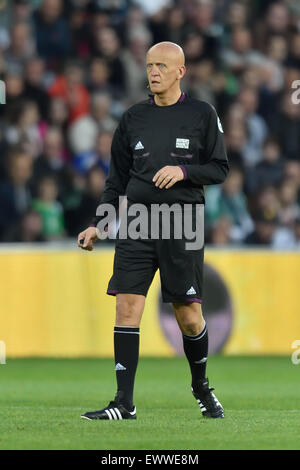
{"type": "Point", "coordinates": [182, 143]}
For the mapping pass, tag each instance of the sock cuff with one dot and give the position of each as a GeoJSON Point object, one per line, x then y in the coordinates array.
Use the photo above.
{"type": "Point", "coordinates": [127, 329]}
{"type": "Point", "coordinates": [199, 336]}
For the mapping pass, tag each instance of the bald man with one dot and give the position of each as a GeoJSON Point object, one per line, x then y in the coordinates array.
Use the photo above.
{"type": "Point", "coordinates": [164, 151]}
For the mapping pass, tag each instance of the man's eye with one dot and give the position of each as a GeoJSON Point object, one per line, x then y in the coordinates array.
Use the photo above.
{"type": "Point", "coordinates": [161, 66]}
{"type": "Point", "coordinates": [149, 66]}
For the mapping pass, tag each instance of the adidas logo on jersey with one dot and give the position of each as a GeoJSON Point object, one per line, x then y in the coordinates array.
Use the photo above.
{"type": "Point", "coordinates": [191, 291]}
{"type": "Point", "coordinates": [139, 146]}
{"type": "Point", "coordinates": [120, 367]}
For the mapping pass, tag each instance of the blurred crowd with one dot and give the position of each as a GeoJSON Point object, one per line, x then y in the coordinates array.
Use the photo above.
{"type": "Point", "coordinates": [72, 67]}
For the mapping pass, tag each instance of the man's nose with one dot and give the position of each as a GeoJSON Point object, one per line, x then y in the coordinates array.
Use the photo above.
{"type": "Point", "coordinates": [154, 71]}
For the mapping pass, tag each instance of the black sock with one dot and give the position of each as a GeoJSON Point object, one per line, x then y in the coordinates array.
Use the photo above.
{"type": "Point", "coordinates": [196, 350]}
{"type": "Point", "coordinates": [126, 342]}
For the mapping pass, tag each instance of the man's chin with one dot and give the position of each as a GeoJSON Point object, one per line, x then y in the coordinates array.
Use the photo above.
{"type": "Point", "coordinates": [156, 89]}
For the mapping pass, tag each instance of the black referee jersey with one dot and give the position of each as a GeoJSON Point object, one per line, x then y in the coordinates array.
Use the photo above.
{"type": "Point", "coordinates": [187, 133]}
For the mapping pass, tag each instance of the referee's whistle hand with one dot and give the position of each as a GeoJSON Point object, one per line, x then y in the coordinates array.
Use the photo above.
{"type": "Point", "coordinates": [87, 238]}
{"type": "Point", "coordinates": [167, 176]}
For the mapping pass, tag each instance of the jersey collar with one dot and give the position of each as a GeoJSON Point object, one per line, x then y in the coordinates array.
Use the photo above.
{"type": "Point", "coordinates": [180, 100]}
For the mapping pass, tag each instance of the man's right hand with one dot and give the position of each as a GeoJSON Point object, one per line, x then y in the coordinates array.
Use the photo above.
{"type": "Point", "coordinates": [87, 238]}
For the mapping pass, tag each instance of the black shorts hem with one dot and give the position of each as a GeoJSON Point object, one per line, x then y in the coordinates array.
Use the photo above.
{"type": "Point", "coordinates": [114, 292]}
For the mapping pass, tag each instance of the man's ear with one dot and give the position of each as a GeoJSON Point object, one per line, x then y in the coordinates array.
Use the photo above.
{"type": "Point", "coordinates": [181, 72]}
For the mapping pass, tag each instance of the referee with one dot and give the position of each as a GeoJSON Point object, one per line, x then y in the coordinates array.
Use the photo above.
{"type": "Point", "coordinates": [164, 151]}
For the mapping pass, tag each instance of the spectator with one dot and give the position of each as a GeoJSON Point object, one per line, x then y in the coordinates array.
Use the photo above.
{"type": "Point", "coordinates": [194, 48]}
{"type": "Point", "coordinates": [21, 48]}
{"type": "Point", "coordinates": [80, 216]}
{"type": "Point", "coordinates": [277, 48]}
{"type": "Point", "coordinates": [286, 126]}
{"type": "Point", "coordinates": [83, 133]}
{"type": "Point", "coordinates": [229, 201]}
{"type": "Point", "coordinates": [220, 232]}
{"type": "Point", "coordinates": [292, 172]}
{"type": "Point", "coordinates": [79, 29]}
{"type": "Point", "coordinates": [24, 127]}
{"type": "Point", "coordinates": [72, 91]}
{"type": "Point", "coordinates": [294, 53]}
{"type": "Point", "coordinates": [14, 90]}
{"type": "Point", "coordinates": [49, 208]}
{"type": "Point", "coordinates": [236, 139]}
{"type": "Point", "coordinates": [289, 208]}
{"type": "Point", "coordinates": [52, 162]}
{"type": "Point", "coordinates": [175, 24]}
{"type": "Point", "coordinates": [52, 32]}
{"type": "Point", "coordinates": [256, 126]}
{"type": "Point", "coordinates": [236, 18]}
{"type": "Point", "coordinates": [201, 81]}
{"type": "Point", "coordinates": [34, 85]}
{"type": "Point", "coordinates": [241, 54]}
{"type": "Point", "coordinates": [267, 203]}
{"type": "Point", "coordinates": [287, 238]}
{"type": "Point", "coordinates": [15, 192]}
{"type": "Point", "coordinates": [133, 58]}
{"type": "Point", "coordinates": [264, 231]}
{"type": "Point", "coordinates": [269, 171]}
{"type": "Point", "coordinates": [58, 114]}
{"type": "Point", "coordinates": [201, 17]}
{"type": "Point", "coordinates": [276, 21]}
{"type": "Point", "coordinates": [29, 229]}
{"type": "Point", "coordinates": [100, 156]}
{"type": "Point", "coordinates": [21, 10]}
{"type": "Point", "coordinates": [99, 73]}
{"type": "Point", "coordinates": [107, 45]}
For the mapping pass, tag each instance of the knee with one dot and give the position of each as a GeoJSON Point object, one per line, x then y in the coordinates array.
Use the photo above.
{"type": "Point", "coordinates": [128, 312]}
{"type": "Point", "coordinates": [192, 328]}
{"type": "Point", "coordinates": [189, 318]}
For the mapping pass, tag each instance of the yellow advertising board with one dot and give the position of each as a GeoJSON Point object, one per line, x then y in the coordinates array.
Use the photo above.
{"type": "Point", "coordinates": [53, 303]}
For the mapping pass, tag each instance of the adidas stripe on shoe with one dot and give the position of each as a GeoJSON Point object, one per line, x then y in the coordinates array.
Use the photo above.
{"type": "Point", "coordinates": [113, 411]}
{"type": "Point", "coordinates": [209, 404]}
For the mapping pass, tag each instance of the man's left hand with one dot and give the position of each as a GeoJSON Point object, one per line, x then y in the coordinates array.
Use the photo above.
{"type": "Point", "coordinates": [167, 176]}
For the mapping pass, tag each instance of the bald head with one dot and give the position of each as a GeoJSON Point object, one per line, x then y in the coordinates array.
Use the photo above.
{"type": "Point", "coordinates": [169, 50]}
{"type": "Point", "coordinates": [165, 67]}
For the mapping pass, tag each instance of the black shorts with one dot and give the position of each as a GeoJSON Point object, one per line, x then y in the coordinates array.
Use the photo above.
{"type": "Point", "coordinates": [136, 261]}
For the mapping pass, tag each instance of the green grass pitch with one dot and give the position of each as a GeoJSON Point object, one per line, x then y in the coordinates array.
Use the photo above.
{"type": "Point", "coordinates": [41, 401]}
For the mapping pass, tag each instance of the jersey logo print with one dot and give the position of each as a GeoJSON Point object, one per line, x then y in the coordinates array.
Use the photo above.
{"type": "Point", "coordinates": [191, 291]}
{"type": "Point", "coordinates": [139, 146]}
{"type": "Point", "coordinates": [120, 367]}
{"type": "Point", "coordinates": [182, 143]}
